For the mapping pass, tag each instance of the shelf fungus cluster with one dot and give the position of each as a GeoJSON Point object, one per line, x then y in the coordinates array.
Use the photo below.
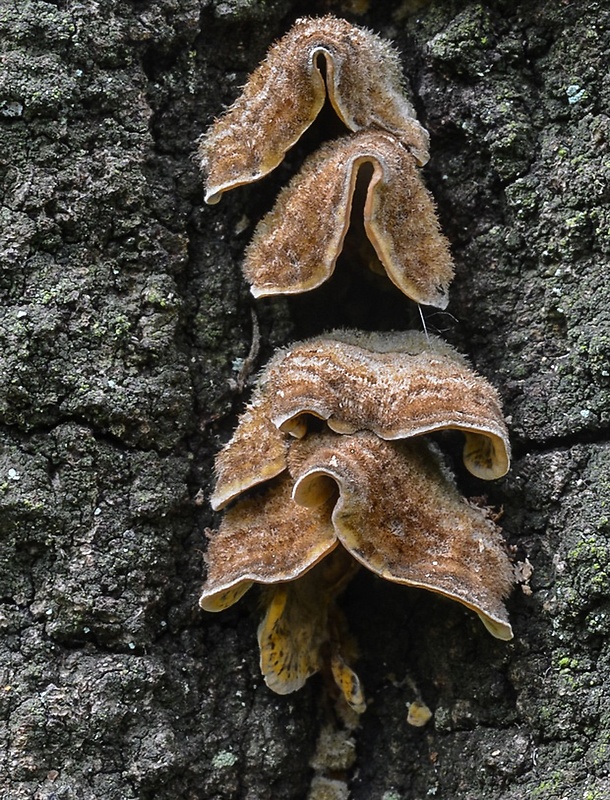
{"type": "Point", "coordinates": [331, 467]}
{"type": "Point", "coordinates": [296, 245]}
{"type": "Point", "coordinates": [329, 470]}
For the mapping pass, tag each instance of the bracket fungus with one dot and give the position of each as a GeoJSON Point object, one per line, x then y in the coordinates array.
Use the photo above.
{"type": "Point", "coordinates": [328, 470]}
{"type": "Point", "coordinates": [295, 246]}
{"type": "Point", "coordinates": [264, 538]}
{"type": "Point", "coordinates": [397, 385]}
{"type": "Point", "coordinates": [344, 501]}
{"type": "Point", "coordinates": [319, 57]}
{"type": "Point", "coordinates": [269, 539]}
{"type": "Point", "coordinates": [400, 515]}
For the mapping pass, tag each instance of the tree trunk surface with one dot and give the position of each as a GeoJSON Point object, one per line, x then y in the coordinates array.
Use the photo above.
{"type": "Point", "coordinates": [125, 322]}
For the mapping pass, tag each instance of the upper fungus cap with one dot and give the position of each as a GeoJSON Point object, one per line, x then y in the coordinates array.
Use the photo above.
{"type": "Point", "coordinates": [295, 246]}
{"type": "Point", "coordinates": [255, 454]}
{"type": "Point", "coordinates": [396, 385]}
{"type": "Point", "coordinates": [282, 97]}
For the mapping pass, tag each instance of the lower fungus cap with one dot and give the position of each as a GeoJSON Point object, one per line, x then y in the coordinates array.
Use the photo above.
{"type": "Point", "coordinates": [400, 515]}
{"type": "Point", "coordinates": [264, 538]}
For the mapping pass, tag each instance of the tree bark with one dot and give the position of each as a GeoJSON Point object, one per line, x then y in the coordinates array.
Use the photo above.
{"type": "Point", "coordinates": [124, 325]}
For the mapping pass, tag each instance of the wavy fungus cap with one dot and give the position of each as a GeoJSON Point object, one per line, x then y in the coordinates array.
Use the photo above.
{"type": "Point", "coordinates": [391, 506]}
{"type": "Point", "coordinates": [265, 538]}
{"type": "Point", "coordinates": [400, 515]}
{"type": "Point", "coordinates": [296, 245]}
{"type": "Point", "coordinates": [396, 385]}
{"type": "Point", "coordinates": [358, 70]}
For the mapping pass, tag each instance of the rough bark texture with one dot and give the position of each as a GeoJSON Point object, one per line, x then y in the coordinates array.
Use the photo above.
{"type": "Point", "coordinates": [123, 324]}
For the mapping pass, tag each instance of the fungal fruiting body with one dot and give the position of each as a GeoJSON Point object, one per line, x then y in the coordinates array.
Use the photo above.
{"type": "Point", "coordinates": [396, 385]}
{"type": "Point", "coordinates": [269, 539]}
{"type": "Point", "coordinates": [303, 631]}
{"type": "Point", "coordinates": [343, 501]}
{"type": "Point", "coordinates": [400, 515]}
{"type": "Point", "coordinates": [362, 486]}
{"type": "Point", "coordinates": [319, 57]}
{"type": "Point", "coordinates": [256, 543]}
{"type": "Point", "coordinates": [329, 469]}
{"type": "Point", "coordinates": [296, 245]}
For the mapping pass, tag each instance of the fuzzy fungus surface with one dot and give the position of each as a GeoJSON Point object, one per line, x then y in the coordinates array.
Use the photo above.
{"type": "Point", "coordinates": [296, 245]}
{"type": "Point", "coordinates": [396, 385]}
{"type": "Point", "coordinates": [359, 72]}
{"type": "Point", "coordinates": [345, 501]}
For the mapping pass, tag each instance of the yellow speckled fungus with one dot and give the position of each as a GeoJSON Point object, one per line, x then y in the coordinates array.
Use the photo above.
{"type": "Point", "coordinates": [360, 73]}
{"type": "Point", "coordinates": [296, 245]}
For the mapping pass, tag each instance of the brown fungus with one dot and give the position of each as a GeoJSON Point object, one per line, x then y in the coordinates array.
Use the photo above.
{"type": "Point", "coordinates": [396, 385]}
{"type": "Point", "coordinates": [264, 538]}
{"type": "Point", "coordinates": [360, 73]}
{"type": "Point", "coordinates": [345, 501]}
{"type": "Point", "coordinates": [296, 245]}
{"type": "Point", "coordinates": [400, 515]}
{"type": "Point", "coordinates": [255, 454]}
{"type": "Point", "coordinates": [271, 540]}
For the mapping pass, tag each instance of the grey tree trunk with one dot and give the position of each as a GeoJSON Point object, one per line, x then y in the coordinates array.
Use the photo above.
{"type": "Point", "coordinates": [124, 323]}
